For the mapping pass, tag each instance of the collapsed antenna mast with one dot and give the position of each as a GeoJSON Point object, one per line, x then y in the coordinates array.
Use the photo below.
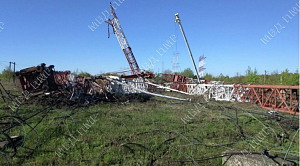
{"type": "Point", "coordinates": [114, 22]}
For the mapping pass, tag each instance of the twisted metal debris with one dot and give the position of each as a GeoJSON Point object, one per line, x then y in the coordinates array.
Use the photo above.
{"type": "Point", "coordinates": [44, 84]}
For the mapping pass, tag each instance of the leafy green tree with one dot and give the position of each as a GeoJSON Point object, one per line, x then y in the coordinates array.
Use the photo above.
{"type": "Point", "coordinates": [285, 77]}
{"type": "Point", "coordinates": [227, 78]}
{"type": "Point", "coordinates": [255, 76]}
{"type": "Point", "coordinates": [159, 78]}
{"type": "Point", "coordinates": [295, 78]}
{"type": "Point", "coordinates": [188, 72]}
{"type": "Point", "coordinates": [221, 77]}
{"type": "Point", "coordinates": [274, 78]}
{"type": "Point", "coordinates": [261, 79]}
{"type": "Point", "coordinates": [208, 76]}
{"type": "Point", "coordinates": [86, 74]}
{"type": "Point", "coordinates": [237, 78]}
{"type": "Point", "coordinates": [251, 76]}
{"type": "Point", "coordinates": [110, 74]}
{"type": "Point", "coordinates": [5, 74]}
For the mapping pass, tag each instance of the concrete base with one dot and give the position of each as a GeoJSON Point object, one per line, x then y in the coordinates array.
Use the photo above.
{"type": "Point", "coordinates": [247, 159]}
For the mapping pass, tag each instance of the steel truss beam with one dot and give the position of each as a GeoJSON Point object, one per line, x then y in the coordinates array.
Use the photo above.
{"type": "Point", "coordinates": [123, 42]}
{"type": "Point", "coordinates": [284, 98]}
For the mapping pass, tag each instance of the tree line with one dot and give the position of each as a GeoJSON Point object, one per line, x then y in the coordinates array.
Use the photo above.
{"type": "Point", "coordinates": [251, 76]}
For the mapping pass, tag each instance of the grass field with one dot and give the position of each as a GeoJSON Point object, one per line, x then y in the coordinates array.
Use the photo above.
{"type": "Point", "coordinates": [156, 132]}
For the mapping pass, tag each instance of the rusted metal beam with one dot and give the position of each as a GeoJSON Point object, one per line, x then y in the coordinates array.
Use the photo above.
{"type": "Point", "coordinates": [283, 98]}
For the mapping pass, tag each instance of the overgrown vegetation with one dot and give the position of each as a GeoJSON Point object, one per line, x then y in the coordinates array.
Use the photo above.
{"type": "Point", "coordinates": [251, 77]}
{"type": "Point", "coordinates": [4, 75]}
{"type": "Point", "coordinates": [150, 133]}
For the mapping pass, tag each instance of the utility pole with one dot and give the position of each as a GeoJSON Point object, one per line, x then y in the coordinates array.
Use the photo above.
{"type": "Point", "coordinates": [14, 71]}
{"type": "Point", "coordinates": [187, 44]}
{"type": "Point", "coordinates": [265, 77]}
{"type": "Point", "coordinates": [9, 71]}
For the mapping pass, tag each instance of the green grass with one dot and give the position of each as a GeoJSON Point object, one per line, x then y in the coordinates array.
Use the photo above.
{"type": "Point", "coordinates": [139, 133]}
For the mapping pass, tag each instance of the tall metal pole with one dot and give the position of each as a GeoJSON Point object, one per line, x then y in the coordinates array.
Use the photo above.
{"type": "Point", "coordinates": [9, 71]}
{"type": "Point", "coordinates": [187, 44]}
{"type": "Point", "coordinates": [265, 77]}
{"type": "Point", "coordinates": [14, 71]}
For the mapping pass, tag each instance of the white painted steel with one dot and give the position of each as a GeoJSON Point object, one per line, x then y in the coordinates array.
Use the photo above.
{"type": "Point", "coordinates": [119, 33]}
{"type": "Point", "coordinates": [134, 89]}
{"type": "Point", "coordinates": [215, 90]}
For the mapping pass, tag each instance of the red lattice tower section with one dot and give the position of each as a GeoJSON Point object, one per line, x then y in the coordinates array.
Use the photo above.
{"type": "Point", "coordinates": [114, 22]}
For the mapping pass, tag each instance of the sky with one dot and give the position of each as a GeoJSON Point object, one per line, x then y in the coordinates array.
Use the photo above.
{"type": "Point", "coordinates": [232, 34]}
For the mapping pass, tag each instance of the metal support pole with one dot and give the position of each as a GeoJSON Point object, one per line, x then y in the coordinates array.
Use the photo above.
{"type": "Point", "coordinates": [14, 71]}
{"type": "Point", "coordinates": [265, 77]}
{"type": "Point", "coordinates": [9, 71]}
{"type": "Point", "coordinates": [187, 44]}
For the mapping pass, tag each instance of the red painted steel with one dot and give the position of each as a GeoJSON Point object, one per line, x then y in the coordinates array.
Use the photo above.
{"type": "Point", "coordinates": [283, 98]}
{"type": "Point", "coordinates": [61, 77]}
{"type": "Point", "coordinates": [180, 87]}
{"type": "Point", "coordinates": [131, 61]}
{"type": "Point", "coordinates": [176, 78]}
{"type": "Point", "coordinates": [135, 70]}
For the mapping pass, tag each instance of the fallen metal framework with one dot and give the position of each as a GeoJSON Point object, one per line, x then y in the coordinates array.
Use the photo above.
{"type": "Point", "coordinates": [118, 31]}
{"type": "Point", "coordinates": [38, 80]}
{"type": "Point", "coordinates": [65, 86]}
{"type": "Point", "coordinates": [283, 98]}
{"type": "Point", "coordinates": [41, 79]}
{"type": "Point", "coordinates": [13, 139]}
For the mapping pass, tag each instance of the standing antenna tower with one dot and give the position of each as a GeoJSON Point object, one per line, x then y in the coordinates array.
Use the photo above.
{"type": "Point", "coordinates": [201, 66]}
{"type": "Point", "coordinates": [175, 62]}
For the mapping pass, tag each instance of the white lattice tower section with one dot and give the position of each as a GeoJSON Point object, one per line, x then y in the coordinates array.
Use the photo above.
{"type": "Point", "coordinates": [201, 66]}
{"type": "Point", "coordinates": [123, 42]}
{"type": "Point", "coordinates": [175, 61]}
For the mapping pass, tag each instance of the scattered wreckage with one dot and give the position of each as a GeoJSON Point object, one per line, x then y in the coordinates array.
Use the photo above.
{"type": "Point", "coordinates": [43, 80]}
